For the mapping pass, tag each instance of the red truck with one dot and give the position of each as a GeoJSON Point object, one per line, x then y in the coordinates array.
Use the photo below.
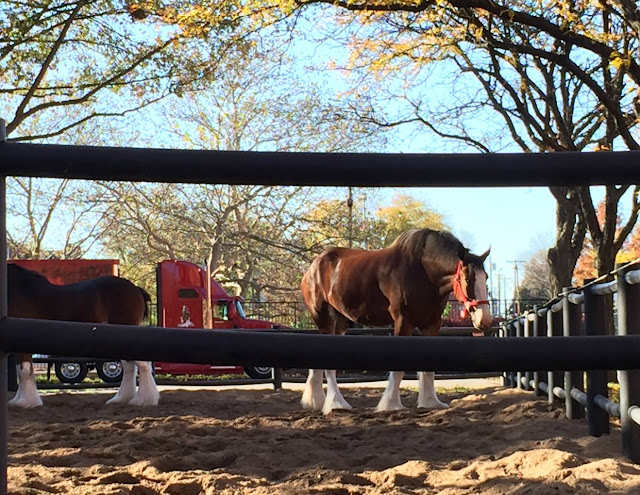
{"type": "Point", "coordinates": [182, 303]}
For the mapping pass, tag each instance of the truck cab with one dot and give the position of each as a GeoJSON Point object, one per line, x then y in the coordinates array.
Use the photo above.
{"type": "Point", "coordinates": [182, 303]}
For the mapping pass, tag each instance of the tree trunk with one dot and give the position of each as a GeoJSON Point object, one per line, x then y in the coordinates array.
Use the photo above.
{"type": "Point", "coordinates": [571, 229]}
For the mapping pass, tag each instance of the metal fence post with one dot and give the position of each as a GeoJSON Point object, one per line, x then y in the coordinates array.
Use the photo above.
{"type": "Point", "coordinates": [518, 328]}
{"type": "Point", "coordinates": [4, 396]}
{"type": "Point", "coordinates": [628, 305]}
{"type": "Point", "coordinates": [595, 324]}
{"type": "Point", "coordinates": [502, 333]}
{"type": "Point", "coordinates": [539, 330]}
{"type": "Point", "coordinates": [527, 331]}
{"type": "Point", "coordinates": [555, 378]}
{"type": "Point", "coordinates": [277, 378]}
{"type": "Point", "coordinates": [511, 374]}
{"type": "Point", "coordinates": [571, 326]}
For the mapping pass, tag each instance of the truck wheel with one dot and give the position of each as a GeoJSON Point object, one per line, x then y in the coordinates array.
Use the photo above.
{"type": "Point", "coordinates": [258, 372]}
{"type": "Point", "coordinates": [109, 371]}
{"type": "Point", "coordinates": [71, 372]}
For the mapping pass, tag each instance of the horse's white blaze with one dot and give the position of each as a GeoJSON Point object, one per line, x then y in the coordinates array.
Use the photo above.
{"type": "Point", "coordinates": [147, 394]}
{"type": "Point", "coordinates": [390, 400]}
{"type": "Point", "coordinates": [127, 390]}
{"type": "Point", "coordinates": [481, 316]}
{"type": "Point", "coordinates": [27, 394]}
{"type": "Point", "coordinates": [427, 397]}
{"type": "Point", "coordinates": [334, 399]}
{"type": "Point", "coordinates": [313, 395]}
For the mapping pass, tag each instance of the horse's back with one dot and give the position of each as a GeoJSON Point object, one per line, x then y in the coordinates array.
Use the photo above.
{"type": "Point", "coordinates": [346, 281]}
{"type": "Point", "coordinates": [318, 280]}
{"type": "Point", "coordinates": [367, 286]}
{"type": "Point", "coordinates": [116, 299]}
{"type": "Point", "coordinates": [107, 299]}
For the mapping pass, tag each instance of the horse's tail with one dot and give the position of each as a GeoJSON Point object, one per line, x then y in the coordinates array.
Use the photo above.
{"type": "Point", "coordinates": [147, 301]}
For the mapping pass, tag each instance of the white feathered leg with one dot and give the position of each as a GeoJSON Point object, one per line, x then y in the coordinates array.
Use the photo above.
{"type": "Point", "coordinates": [27, 394]}
{"type": "Point", "coordinates": [427, 397]}
{"type": "Point", "coordinates": [334, 399]}
{"type": "Point", "coordinates": [127, 390]}
{"type": "Point", "coordinates": [390, 400]}
{"type": "Point", "coordinates": [147, 394]}
{"type": "Point", "coordinates": [313, 395]}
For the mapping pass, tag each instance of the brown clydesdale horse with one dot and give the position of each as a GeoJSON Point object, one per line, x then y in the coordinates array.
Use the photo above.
{"type": "Point", "coordinates": [407, 285]}
{"type": "Point", "coordinates": [106, 299]}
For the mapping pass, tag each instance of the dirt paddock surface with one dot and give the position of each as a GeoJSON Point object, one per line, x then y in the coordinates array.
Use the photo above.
{"type": "Point", "coordinates": [240, 442]}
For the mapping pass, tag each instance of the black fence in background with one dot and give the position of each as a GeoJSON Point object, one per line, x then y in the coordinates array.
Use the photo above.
{"type": "Point", "coordinates": [294, 314]}
{"type": "Point", "coordinates": [583, 312]}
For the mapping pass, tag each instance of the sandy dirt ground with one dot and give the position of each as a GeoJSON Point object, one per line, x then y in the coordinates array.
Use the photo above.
{"type": "Point", "coordinates": [259, 441]}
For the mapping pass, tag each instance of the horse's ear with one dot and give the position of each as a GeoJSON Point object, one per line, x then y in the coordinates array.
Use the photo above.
{"type": "Point", "coordinates": [484, 255]}
{"type": "Point", "coordinates": [463, 253]}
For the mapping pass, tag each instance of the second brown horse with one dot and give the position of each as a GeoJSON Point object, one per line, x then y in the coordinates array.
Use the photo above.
{"type": "Point", "coordinates": [107, 299]}
{"type": "Point", "coordinates": [406, 285]}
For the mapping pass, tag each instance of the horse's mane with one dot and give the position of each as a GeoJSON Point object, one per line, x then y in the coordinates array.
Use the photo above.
{"type": "Point", "coordinates": [437, 245]}
{"type": "Point", "coordinates": [25, 275]}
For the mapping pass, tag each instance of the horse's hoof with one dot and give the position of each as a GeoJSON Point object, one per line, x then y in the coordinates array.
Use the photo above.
{"type": "Point", "coordinates": [313, 404]}
{"type": "Point", "coordinates": [329, 410]}
{"type": "Point", "coordinates": [389, 408]}
{"type": "Point", "coordinates": [330, 405]}
{"type": "Point", "coordinates": [434, 405]}
{"type": "Point", "coordinates": [24, 404]}
{"type": "Point", "coordinates": [144, 401]}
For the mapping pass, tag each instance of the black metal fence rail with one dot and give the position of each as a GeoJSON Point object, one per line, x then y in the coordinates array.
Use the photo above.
{"type": "Point", "coordinates": [302, 350]}
{"type": "Point", "coordinates": [566, 318]}
{"type": "Point", "coordinates": [278, 377]}
{"type": "Point", "coordinates": [319, 169]}
{"type": "Point", "coordinates": [293, 350]}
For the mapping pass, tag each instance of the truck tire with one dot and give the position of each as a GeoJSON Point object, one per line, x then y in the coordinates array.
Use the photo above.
{"type": "Point", "coordinates": [258, 372]}
{"type": "Point", "coordinates": [109, 371]}
{"type": "Point", "coordinates": [71, 372]}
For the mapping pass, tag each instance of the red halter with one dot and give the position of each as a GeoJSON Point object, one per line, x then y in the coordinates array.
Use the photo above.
{"type": "Point", "coordinates": [459, 292]}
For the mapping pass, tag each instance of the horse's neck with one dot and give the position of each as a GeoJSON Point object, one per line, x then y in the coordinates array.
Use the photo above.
{"type": "Point", "coordinates": [441, 273]}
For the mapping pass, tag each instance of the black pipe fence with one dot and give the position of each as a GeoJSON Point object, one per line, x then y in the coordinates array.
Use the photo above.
{"type": "Point", "coordinates": [579, 316]}
{"type": "Point", "coordinates": [319, 169]}
{"type": "Point", "coordinates": [238, 346]}
{"type": "Point", "coordinates": [277, 378]}
{"type": "Point", "coordinates": [294, 313]}
{"type": "Point", "coordinates": [296, 350]}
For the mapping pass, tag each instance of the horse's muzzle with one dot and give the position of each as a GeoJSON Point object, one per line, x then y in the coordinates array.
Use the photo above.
{"type": "Point", "coordinates": [481, 318]}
